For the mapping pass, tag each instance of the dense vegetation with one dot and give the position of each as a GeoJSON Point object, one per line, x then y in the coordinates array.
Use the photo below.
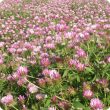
{"type": "Point", "coordinates": [54, 55]}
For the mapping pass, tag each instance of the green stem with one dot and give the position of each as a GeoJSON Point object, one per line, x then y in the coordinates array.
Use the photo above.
{"type": "Point", "coordinates": [32, 77]}
{"type": "Point", "coordinates": [105, 95]}
{"type": "Point", "coordinates": [61, 98]}
{"type": "Point", "coordinates": [61, 68]}
{"type": "Point", "coordinates": [101, 91]}
{"type": "Point", "coordinates": [54, 91]}
{"type": "Point", "coordinates": [32, 83]}
{"type": "Point", "coordinates": [86, 102]}
{"type": "Point", "coordinates": [95, 55]}
{"type": "Point", "coordinates": [28, 98]}
{"type": "Point", "coordinates": [14, 107]}
{"type": "Point", "coordinates": [6, 107]}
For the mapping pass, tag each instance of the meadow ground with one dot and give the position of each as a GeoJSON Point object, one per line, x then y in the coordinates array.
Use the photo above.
{"type": "Point", "coordinates": [55, 55]}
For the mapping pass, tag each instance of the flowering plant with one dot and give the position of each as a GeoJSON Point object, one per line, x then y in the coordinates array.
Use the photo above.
{"type": "Point", "coordinates": [54, 54]}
